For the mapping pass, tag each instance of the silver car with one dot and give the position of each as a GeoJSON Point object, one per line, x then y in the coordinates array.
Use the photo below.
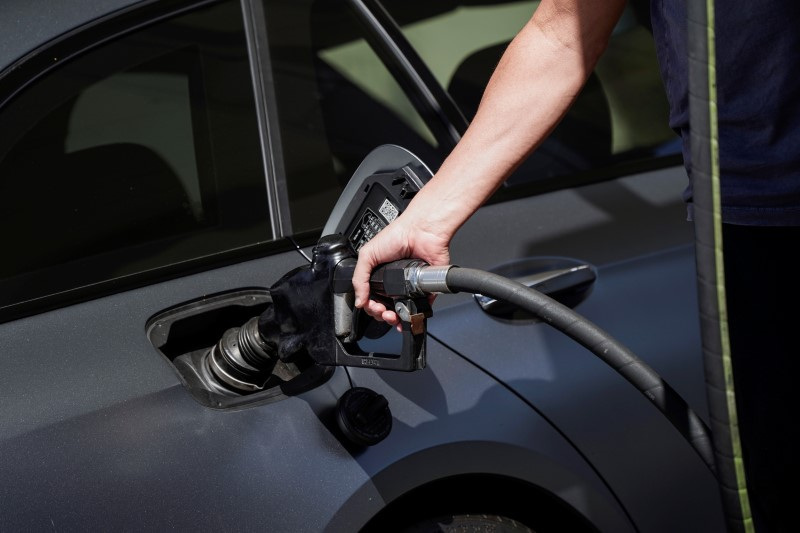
{"type": "Point", "coordinates": [163, 163]}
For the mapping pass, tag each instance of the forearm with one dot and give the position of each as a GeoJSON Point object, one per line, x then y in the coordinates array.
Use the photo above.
{"type": "Point", "coordinates": [537, 80]}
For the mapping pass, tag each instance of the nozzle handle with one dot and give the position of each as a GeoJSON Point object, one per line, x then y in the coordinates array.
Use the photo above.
{"type": "Point", "coordinates": [388, 281]}
{"type": "Point", "coordinates": [413, 313]}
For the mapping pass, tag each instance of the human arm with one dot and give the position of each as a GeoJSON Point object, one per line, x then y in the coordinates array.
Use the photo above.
{"type": "Point", "coordinates": [535, 82]}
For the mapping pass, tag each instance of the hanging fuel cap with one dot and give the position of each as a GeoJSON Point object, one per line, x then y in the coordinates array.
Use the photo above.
{"type": "Point", "coordinates": [363, 416]}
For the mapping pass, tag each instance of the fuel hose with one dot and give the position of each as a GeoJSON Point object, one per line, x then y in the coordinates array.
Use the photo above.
{"type": "Point", "coordinates": [590, 336]}
{"type": "Point", "coordinates": [710, 272]}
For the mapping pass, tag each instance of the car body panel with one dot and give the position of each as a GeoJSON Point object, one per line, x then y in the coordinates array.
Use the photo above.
{"type": "Point", "coordinates": [98, 432]}
{"type": "Point", "coordinates": [42, 21]}
{"type": "Point", "coordinates": [606, 417]}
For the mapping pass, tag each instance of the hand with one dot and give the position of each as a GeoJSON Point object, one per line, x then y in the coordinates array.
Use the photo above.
{"type": "Point", "coordinates": [405, 237]}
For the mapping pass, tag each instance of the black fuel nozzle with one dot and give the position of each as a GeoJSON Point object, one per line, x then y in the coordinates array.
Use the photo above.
{"type": "Point", "coordinates": [312, 315]}
{"type": "Point", "coordinates": [395, 284]}
{"type": "Point", "coordinates": [314, 312]}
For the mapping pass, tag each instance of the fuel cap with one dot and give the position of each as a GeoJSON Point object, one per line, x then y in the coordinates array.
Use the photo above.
{"type": "Point", "coordinates": [363, 416]}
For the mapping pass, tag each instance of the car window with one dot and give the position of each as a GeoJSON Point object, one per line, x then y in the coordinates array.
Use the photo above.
{"type": "Point", "coordinates": [135, 155]}
{"type": "Point", "coordinates": [621, 115]}
{"type": "Point", "coordinates": [336, 101]}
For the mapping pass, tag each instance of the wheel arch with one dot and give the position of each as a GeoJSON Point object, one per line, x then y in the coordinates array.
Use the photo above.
{"type": "Point", "coordinates": [481, 477]}
{"type": "Point", "coordinates": [481, 493]}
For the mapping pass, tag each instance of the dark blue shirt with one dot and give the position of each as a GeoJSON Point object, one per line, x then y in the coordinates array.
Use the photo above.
{"type": "Point", "coordinates": [758, 103]}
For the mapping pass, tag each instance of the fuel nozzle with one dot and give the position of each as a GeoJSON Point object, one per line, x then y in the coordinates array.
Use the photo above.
{"type": "Point", "coordinates": [399, 285]}
{"type": "Point", "coordinates": [312, 316]}
{"type": "Point", "coordinates": [313, 309]}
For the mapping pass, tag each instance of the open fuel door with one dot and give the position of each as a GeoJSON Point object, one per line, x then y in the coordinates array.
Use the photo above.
{"type": "Point", "coordinates": [380, 189]}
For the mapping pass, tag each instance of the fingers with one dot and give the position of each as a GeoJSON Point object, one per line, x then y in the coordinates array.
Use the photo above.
{"type": "Point", "coordinates": [398, 240]}
{"type": "Point", "coordinates": [378, 311]}
{"type": "Point", "coordinates": [391, 318]}
{"type": "Point", "coordinates": [386, 246]}
{"type": "Point", "coordinates": [366, 262]}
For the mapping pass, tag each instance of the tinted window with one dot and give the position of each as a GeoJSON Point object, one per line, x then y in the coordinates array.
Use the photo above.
{"type": "Point", "coordinates": [138, 154]}
{"type": "Point", "coordinates": [621, 115]}
{"type": "Point", "coordinates": [336, 102]}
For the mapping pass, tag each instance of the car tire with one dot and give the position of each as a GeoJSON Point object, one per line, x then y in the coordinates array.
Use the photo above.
{"type": "Point", "coordinates": [467, 523]}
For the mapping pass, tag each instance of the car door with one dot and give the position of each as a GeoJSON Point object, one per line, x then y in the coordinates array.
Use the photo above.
{"type": "Point", "coordinates": [604, 191]}
{"type": "Point", "coordinates": [159, 164]}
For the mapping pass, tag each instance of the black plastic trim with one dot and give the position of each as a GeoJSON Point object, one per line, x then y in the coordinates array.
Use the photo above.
{"type": "Point", "coordinates": [432, 101]}
{"type": "Point", "coordinates": [265, 101]}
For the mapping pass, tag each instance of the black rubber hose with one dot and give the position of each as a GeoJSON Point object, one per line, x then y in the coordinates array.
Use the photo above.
{"type": "Point", "coordinates": [600, 343]}
{"type": "Point", "coordinates": [710, 267]}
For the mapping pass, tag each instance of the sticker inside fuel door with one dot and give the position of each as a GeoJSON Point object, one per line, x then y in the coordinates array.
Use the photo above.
{"type": "Point", "coordinates": [370, 224]}
{"type": "Point", "coordinates": [388, 210]}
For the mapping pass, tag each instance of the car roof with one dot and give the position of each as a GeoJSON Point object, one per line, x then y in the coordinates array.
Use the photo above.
{"type": "Point", "coordinates": [27, 24]}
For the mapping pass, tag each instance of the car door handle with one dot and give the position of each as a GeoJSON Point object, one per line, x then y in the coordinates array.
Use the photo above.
{"type": "Point", "coordinates": [569, 285]}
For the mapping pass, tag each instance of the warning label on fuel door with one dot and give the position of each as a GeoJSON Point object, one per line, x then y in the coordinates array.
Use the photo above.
{"type": "Point", "coordinates": [369, 226]}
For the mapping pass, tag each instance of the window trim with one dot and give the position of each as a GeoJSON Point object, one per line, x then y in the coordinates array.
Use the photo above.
{"type": "Point", "coordinates": [265, 101]}
{"type": "Point", "coordinates": [430, 98]}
